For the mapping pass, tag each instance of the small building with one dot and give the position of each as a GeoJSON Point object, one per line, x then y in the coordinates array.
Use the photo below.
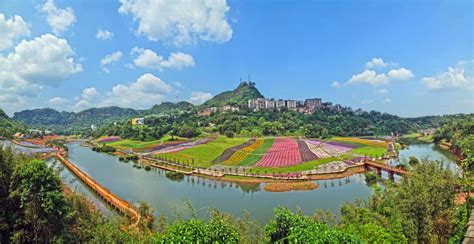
{"type": "Point", "coordinates": [138, 121]}
{"type": "Point", "coordinates": [291, 103]}
{"type": "Point", "coordinates": [280, 103]}
{"type": "Point", "coordinates": [270, 103]}
{"type": "Point", "coordinates": [18, 135]}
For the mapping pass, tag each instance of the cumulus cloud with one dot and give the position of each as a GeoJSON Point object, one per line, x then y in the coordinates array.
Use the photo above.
{"type": "Point", "coordinates": [45, 60]}
{"type": "Point", "coordinates": [180, 22]}
{"type": "Point", "coordinates": [111, 58]}
{"type": "Point", "coordinates": [336, 84]}
{"type": "Point", "coordinates": [456, 77]}
{"type": "Point", "coordinates": [58, 19]}
{"type": "Point", "coordinates": [148, 59]}
{"type": "Point", "coordinates": [370, 77]}
{"type": "Point", "coordinates": [81, 105]}
{"type": "Point", "coordinates": [381, 91]}
{"type": "Point", "coordinates": [198, 98]}
{"type": "Point", "coordinates": [11, 29]}
{"type": "Point", "coordinates": [146, 91]}
{"type": "Point", "coordinates": [400, 74]}
{"type": "Point", "coordinates": [57, 101]}
{"type": "Point", "coordinates": [89, 93]}
{"type": "Point", "coordinates": [375, 62]}
{"type": "Point", "coordinates": [104, 34]}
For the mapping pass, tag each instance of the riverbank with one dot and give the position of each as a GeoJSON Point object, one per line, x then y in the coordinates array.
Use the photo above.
{"type": "Point", "coordinates": [293, 186]}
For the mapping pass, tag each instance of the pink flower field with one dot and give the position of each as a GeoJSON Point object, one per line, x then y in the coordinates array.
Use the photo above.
{"type": "Point", "coordinates": [284, 152]}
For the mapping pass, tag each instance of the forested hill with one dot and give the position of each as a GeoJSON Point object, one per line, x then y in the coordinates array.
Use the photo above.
{"type": "Point", "coordinates": [236, 97]}
{"type": "Point", "coordinates": [8, 126]}
{"type": "Point", "coordinates": [48, 117]}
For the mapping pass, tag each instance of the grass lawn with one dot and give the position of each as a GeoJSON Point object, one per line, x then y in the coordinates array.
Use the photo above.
{"type": "Point", "coordinates": [295, 168]}
{"type": "Point", "coordinates": [124, 144]}
{"type": "Point", "coordinates": [204, 154]}
{"type": "Point", "coordinates": [370, 151]}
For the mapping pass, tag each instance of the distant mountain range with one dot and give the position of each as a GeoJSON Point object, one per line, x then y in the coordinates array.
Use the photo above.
{"type": "Point", "coordinates": [50, 117]}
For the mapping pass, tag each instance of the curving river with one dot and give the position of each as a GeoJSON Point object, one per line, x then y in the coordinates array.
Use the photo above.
{"type": "Point", "coordinates": [169, 197]}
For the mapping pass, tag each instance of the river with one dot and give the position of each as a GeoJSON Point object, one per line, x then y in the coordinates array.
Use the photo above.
{"type": "Point", "coordinates": [169, 197]}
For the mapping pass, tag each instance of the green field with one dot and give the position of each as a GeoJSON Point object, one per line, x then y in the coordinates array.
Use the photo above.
{"type": "Point", "coordinates": [124, 144]}
{"type": "Point", "coordinates": [258, 153]}
{"type": "Point", "coordinates": [369, 151]}
{"type": "Point", "coordinates": [204, 154]}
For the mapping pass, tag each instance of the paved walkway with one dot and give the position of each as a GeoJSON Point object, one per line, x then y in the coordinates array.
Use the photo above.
{"type": "Point", "coordinates": [469, 236]}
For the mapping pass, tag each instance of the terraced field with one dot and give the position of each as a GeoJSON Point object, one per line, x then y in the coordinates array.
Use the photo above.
{"type": "Point", "coordinates": [204, 154]}
{"type": "Point", "coordinates": [284, 152]}
{"type": "Point", "coordinates": [257, 154]}
{"type": "Point", "coordinates": [240, 155]}
{"type": "Point", "coordinates": [228, 152]}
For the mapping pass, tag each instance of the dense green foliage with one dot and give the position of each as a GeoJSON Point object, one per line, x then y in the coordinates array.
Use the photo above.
{"type": "Point", "coordinates": [419, 209]}
{"type": "Point", "coordinates": [460, 134]}
{"type": "Point", "coordinates": [8, 127]}
{"type": "Point", "coordinates": [288, 227]}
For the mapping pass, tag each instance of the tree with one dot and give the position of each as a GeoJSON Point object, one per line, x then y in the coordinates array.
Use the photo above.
{"type": "Point", "coordinates": [36, 190]}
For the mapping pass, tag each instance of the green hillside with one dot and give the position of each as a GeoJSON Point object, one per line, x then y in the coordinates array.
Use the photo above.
{"type": "Point", "coordinates": [8, 126]}
{"type": "Point", "coordinates": [237, 97]}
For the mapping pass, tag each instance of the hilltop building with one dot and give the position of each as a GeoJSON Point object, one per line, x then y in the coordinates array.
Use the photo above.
{"type": "Point", "coordinates": [308, 106]}
{"type": "Point", "coordinates": [138, 121]}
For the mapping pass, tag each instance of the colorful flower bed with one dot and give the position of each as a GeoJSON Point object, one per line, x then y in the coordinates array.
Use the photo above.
{"type": "Point", "coordinates": [306, 154]}
{"type": "Point", "coordinates": [109, 139]}
{"type": "Point", "coordinates": [240, 155]}
{"type": "Point", "coordinates": [373, 143]}
{"type": "Point", "coordinates": [284, 152]}
{"type": "Point", "coordinates": [257, 154]}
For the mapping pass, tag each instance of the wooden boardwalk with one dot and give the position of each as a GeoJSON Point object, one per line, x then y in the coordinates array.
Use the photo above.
{"type": "Point", "coordinates": [390, 169]}
{"type": "Point", "coordinates": [113, 200]}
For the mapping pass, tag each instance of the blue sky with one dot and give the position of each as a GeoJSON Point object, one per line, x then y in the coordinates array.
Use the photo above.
{"type": "Point", "coordinates": [408, 58]}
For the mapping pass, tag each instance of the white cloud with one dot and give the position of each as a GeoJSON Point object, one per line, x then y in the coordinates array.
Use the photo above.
{"type": "Point", "coordinates": [111, 58]}
{"type": "Point", "coordinates": [375, 62]}
{"type": "Point", "coordinates": [198, 98]}
{"type": "Point", "coordinates": [45, 60]}
{"type": "Point", "coordinates": [11, 29]}
{"type": "Point", "coordinates": [455, 78]}
{"type": "Point", "coordinates": [104, 34]}
{"type": "Point", "coordinates": [89, 93]}
{"type": "Point", "coordinates": [336, 84]}
{"type": "Point", "coordinates": [57, 101]}
{"type": "Point", "coordinates": [382, 91]}
{"type": "Point", "coordinates": [370, 77]}
{"type": "Point", "coordinates": [146, 91]}
{"type": "Point", "coordinates": [59, 19]}
{"type": "Point", "coordinates": [400, 74]}
{"type": "Point", "coordinates": [148, 59]}
{"type": "Point", "coordinates": [81, 105]}
{"type": "Point", "coordinates": [180, 22]}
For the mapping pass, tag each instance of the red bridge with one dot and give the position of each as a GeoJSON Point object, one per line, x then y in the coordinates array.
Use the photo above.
{"type": "Point", "coordinates": [383, 167]}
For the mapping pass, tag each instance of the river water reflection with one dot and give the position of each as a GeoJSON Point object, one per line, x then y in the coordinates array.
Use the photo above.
{"type": "Point", "coordinates": [168, 197]}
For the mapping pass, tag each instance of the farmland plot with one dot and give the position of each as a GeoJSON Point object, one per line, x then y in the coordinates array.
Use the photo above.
{"type": "Point", "coordinates": [284, 152]}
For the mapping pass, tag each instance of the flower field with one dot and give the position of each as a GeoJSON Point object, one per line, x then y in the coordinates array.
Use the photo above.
{"type": "Point", "coordinates": [240, 155]}
{"type": "Point", "coordinates": [109, 139]}
{"type": "Point", "coordinates": [257, 154]}
{"type": "Point", "coordinates": [204, 154]}
{"type": "Point", "coordinates": [366, 142]}
{"type": "Point", "coordinates": [284, 152]}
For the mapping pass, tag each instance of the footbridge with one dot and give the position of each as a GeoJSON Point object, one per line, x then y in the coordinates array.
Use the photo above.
{"type": "Point", "coordinates": [383, 167]}
{"type": "Point", "coordinates": [110, 198]}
